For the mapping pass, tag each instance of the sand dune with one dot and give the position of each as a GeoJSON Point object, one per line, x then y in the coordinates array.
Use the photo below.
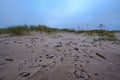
{"type": "Point", "coordinates": [60, 56]}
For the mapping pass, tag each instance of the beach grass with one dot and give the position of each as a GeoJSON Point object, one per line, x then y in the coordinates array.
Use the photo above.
{"type": "Point", "coordinates": [25, 29]}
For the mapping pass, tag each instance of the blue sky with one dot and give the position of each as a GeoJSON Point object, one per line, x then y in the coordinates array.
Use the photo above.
{"type": "Point", "coordinates": [86, 14]}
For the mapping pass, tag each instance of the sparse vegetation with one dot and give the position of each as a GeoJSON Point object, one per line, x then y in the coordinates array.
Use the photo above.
{"type": "Point", "coordinates": [23, 30]}
{"type": "Point", "coordinates": [105, 35]}
{"type": "Point", "coordinates": [15, 30]}
{"type": "Point", "coordinates": [43, 28]}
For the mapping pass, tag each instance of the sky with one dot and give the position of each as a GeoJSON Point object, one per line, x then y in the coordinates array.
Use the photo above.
{"type": "Point", "coordinates": [85, 14]}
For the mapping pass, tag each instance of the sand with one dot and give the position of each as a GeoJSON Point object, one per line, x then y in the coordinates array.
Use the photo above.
{"type": "Point", "coordinates": [60, 56]}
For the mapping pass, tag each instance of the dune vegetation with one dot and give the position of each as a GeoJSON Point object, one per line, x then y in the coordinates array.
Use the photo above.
{"type": "Point", "coordinates": [25, 30]}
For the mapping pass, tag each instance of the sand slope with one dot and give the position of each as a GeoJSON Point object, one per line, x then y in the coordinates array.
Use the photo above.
{"type": "Point", "coordinates": [60, 56]}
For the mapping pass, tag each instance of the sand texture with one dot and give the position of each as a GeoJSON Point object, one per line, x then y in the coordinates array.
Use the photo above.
{"type": "Point", "coordinates": [60, 56]}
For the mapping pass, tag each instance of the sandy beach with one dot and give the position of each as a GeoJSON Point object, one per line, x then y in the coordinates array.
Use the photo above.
{"type": "Point", "coordinates": [59, 56]}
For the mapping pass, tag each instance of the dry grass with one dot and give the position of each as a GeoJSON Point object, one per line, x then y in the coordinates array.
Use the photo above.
{"type": "Point", "coordinates": [24, 29]}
